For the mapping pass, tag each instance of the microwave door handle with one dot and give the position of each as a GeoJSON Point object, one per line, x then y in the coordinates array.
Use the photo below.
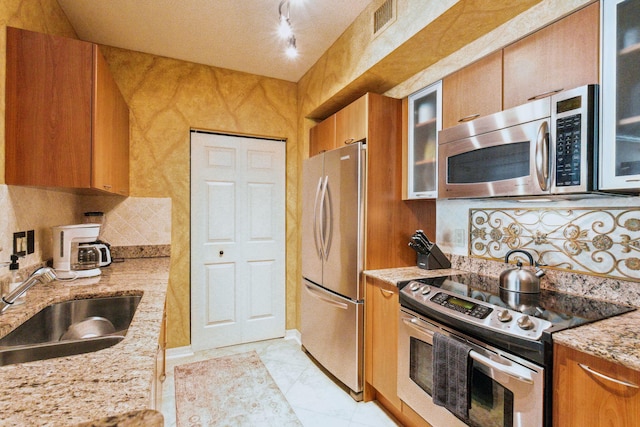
{"type": "Point", "coordinates": [316, 226]}
{"type": "Point", "coordinates": [542, 156]}
{"type": "Point", "coordinates": [510, 370]}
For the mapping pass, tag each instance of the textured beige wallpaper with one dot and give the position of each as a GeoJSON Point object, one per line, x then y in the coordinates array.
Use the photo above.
{"type": "Point", "coordinates": [167, 97]}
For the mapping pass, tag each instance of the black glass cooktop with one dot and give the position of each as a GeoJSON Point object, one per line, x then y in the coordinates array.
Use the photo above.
{"type": "Point", "coordinates": [562, 310]}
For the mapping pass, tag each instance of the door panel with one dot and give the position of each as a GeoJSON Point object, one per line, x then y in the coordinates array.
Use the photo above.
{"type": "Point", "coordinates": [220, 295]}
{"type": "Point", "coordinates": [237, 240]}
{"type": "Point", "coordinates": [221, 211]}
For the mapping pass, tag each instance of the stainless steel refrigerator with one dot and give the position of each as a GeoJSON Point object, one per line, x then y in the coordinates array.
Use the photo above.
{"type": "Point", "coordinates": [332, 308]}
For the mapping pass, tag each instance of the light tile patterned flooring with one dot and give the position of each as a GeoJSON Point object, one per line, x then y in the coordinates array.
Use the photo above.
{"type": "Point", "coordinates": [314, 397]}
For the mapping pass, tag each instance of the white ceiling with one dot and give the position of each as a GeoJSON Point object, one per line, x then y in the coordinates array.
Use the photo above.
{"type": "Point", "coordinates": [234, 34]}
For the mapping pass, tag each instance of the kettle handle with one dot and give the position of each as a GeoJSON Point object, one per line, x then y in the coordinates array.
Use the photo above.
{"type": "Point", "coordinates": [506, 257]}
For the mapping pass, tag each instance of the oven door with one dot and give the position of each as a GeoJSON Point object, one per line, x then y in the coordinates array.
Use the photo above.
{"type": "Point", "coordinates": [506, 391]}
{"type": "Point", "coordinates": [513, 161]}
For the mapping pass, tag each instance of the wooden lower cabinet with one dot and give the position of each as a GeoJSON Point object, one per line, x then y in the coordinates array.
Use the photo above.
{"type": "Point", "coordinates": [381, 336]}
{"type": "Point", "coordinates": [590, 391]}
{"type": "Point", "coordinates": [382, 308]}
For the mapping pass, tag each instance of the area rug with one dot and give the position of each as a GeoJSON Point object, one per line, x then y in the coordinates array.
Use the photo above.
{"type": "Point", "coordinates": [230, 391]}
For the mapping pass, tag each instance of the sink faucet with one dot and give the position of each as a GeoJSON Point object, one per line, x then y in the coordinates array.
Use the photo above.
{"type": "Point", "coordinates": [42, 275]}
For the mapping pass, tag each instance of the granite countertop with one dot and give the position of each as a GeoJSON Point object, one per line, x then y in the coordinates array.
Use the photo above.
{"type": "Point", "coordinates": [394, 275]}
{"type": "Point", "coordinates": [80, 388]}
{"type": "Point", "coordinates": [616, 339]}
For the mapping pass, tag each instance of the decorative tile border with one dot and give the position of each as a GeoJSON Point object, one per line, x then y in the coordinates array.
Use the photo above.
{"type": "Point", "coordinates": [598, 241]}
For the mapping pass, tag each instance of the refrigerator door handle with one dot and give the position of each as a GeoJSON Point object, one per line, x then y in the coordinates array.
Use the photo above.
{"type": "Point", "coordinates": [316, 228]}
{"type": "Point", "coordinates": [329, 220]}
{"type": "Point", "coordinates": [323, 217]}
{"type": "Point", "coordinates": [324, 298]}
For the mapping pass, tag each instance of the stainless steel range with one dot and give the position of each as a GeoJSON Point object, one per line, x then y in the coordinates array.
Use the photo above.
{"type": "Point", "coordinates": [508, 336]}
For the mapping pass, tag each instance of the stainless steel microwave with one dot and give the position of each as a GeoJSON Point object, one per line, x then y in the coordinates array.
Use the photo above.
{"type": "Point", "coordinates": [547, 146]}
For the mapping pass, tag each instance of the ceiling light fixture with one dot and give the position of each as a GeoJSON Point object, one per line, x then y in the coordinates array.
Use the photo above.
{"type": "Point", "coordinates": [285, 30]}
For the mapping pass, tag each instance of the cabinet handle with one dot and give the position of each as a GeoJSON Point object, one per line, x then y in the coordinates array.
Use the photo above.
{"type": "Point", "coordinates": [469, 118]}
{"type": "Point", "coordinates": [107, 187]}
{"type": "Point", "coordinates": [349, 141]}
{"type": "Point", "coordinates": [386, 292]}
{"type": "Point", "coordinates": [545, 94]}
{"type": "Point", "coordinates": [603, 376]}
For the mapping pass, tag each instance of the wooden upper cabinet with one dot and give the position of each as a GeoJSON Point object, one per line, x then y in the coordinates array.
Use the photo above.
{"type": "Point", "coordinates": [560, 56]}
{"type": "Point", "coordinates": [351, 121]}
{"type": "Point", "coordinates": [590, 391]}
{"type": "Point", "coordinates": [473, 91]}
{"type": "Point", "coordinates": [110, 132]}
{"type": "Point", "coordinates": [67, 124]}
{"type": "Point", "coordinates": [344, 127]}
{"type": "Point", "coordinates": [322, 137]}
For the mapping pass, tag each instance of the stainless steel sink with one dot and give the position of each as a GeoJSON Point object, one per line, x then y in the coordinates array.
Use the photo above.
{"type": "Point", "coordinates": [68, 328]}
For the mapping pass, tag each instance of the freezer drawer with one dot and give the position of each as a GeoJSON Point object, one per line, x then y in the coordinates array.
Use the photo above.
{"type": "Point", "coordinates": [332, 332]}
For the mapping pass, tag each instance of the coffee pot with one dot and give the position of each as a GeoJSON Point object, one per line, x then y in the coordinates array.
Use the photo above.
{"type": "Point", "coordinates": [72, 259]}
{"type": "Point", "coordinates": [519, 279]}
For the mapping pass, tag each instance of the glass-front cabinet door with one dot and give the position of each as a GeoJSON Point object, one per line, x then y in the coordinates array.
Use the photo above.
{"type": "Point", "coordinates": [424, 122]}
{"type": "Point", "coordinates": [620, 145]}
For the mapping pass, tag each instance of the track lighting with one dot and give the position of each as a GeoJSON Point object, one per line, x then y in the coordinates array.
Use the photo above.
{"type": "Point", "coordinates": [285, 30]}
{"type": "Point", "coordinates": [291, 51]}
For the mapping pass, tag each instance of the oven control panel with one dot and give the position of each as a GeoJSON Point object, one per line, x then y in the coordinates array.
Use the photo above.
{"type": "Point", "coordinates": [469, 308]}
{"type": "Point", "coordinates": [478, 313]}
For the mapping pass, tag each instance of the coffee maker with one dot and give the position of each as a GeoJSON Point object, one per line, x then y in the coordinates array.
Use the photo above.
{"type": "Point", "coordinates": [72, 259]}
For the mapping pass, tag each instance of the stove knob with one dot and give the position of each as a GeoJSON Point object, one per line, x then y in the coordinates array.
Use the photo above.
{"type": "Point", "coordinates": [525, 323]}
{"type": "Point", "coordinates": [426, 290]}
{"type": "Point", "coordinates": [414, 286]}
{"type": "Point", "coordinates": [504, 316]}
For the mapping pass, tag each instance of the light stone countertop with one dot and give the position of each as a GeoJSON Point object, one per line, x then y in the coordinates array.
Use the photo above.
{"type": "Point", "coordinates": [394, 275]}
{"type": "Point", "coordinates": [81, 388]}
{"type": "Point", "coordinates": [616, 339]}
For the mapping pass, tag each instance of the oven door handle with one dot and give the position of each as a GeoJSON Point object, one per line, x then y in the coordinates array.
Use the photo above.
{"type": "Point", "coordinates": [510, 370]}
{"type": "Point", "coordinates": [415, 324]}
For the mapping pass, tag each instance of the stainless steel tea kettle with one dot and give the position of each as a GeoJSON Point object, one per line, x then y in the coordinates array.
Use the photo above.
{"type": "Point", "coordinates": [519, 280]}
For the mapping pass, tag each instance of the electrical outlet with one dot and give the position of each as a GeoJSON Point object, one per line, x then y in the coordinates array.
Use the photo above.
{"type": "Point", "coordinates": [20, 243]}
{"type": "Point", "coordinates": [458, 237]}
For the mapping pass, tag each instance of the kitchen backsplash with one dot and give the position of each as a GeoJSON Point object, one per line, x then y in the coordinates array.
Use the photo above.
{"type": "Point", "coordinates": [601, 241]}
{"type": "Point", "coordinates": [603, 288]}
{"type": "Point", "coordinates": [133, 221]}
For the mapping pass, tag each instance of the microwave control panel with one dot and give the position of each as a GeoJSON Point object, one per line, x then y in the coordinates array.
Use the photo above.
{"type": "Point", "coordinates": [568, 146]}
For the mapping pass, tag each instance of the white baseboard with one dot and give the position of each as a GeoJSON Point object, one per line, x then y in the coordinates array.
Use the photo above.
{"type": "Point", "coordinates": [177, 352]}
{"type": "Point", "coordinates": [293, 334]}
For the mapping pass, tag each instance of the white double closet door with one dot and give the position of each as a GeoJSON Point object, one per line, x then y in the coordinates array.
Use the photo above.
{"type": "Point", "coordinates": [237, 239]}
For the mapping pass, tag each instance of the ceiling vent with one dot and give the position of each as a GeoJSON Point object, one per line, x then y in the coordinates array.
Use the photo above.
{"type": "Point", "coordinates": [384, 16]}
